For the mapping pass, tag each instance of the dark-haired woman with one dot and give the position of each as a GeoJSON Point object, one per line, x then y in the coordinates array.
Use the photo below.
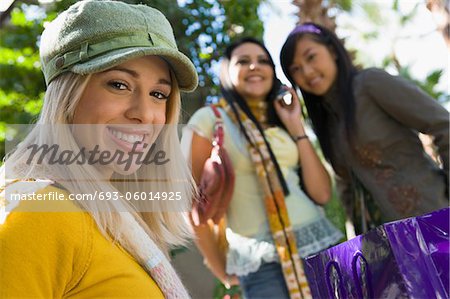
{"type": "Point", "coordinates": [368, 123]}
{"type": "Point", "coordinates": [272, 223]}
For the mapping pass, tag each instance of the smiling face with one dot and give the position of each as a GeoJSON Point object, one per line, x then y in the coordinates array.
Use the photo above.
{"type": "Point", "coordinates": [127, 102]}
{"type": "Point", "coordinates": [251, 72]}
{"type": "Point", "coordinates": [314, 66]}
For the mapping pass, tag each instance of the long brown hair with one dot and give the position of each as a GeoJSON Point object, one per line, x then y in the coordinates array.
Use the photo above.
{"type": "Point", "coordinates": [344, 81]}
{"type": "Point", "coordinates": [233, 97]}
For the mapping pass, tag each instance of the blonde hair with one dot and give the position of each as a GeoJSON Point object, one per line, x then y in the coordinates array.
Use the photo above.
{"type": "Point", "coordinates": [166, 228]}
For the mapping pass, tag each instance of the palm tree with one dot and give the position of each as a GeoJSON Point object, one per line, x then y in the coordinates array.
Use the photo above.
{"type": "Point", "coordinates": [317, 11]}
{"type": "Point", "coordinates": [441, 14]}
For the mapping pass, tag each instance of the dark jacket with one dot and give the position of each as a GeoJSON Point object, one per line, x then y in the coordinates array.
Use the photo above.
{"type": "Point", "coordinates": [387, 156]}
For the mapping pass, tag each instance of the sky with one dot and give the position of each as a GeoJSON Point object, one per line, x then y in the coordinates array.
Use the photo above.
{"type": "Point", "coordinates": [4, 4]}
{"type": "Point", "coordinates": [417, 44]}
{"type": "Point", "coordinates": [279, 20]}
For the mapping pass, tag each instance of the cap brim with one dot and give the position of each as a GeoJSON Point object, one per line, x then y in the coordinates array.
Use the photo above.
{"type": "Point", "coordinates": [181, 65]}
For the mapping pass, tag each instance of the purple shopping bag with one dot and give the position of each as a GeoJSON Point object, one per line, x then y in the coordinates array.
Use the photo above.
{"type": "Point", "coordinates": [408, 258]}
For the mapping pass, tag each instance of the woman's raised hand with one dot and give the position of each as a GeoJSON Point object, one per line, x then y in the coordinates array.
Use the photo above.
{"type": "Point", "coordinates": [290, 115]}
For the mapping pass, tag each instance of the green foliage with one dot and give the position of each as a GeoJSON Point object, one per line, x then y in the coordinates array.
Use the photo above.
{"type": "Point", "coordinates": [221, 292]}
{"type": "Point", "coordinates": [376, 20]}
{"type": "Point", "coordinates": [22, 85]}
{"type": "Point", "coordinates": [345, 5]}
{"type": "Point", "coordinates": [334, 210]}
{"type": "Point", "coordinates": [177, 250]}
{"type": "Point", "coordinates": [428, 84]}
{"type": "Point", "coordinates": [395, 5]}
{"type": "Point", "coordinates": [242, 18]}
{"type": "Point", "coordinates": [373, 12]}
{"type": "Point", "coordinates": [405, 18]}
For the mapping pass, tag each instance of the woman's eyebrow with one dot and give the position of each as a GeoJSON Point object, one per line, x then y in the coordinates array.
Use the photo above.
{"type": "Point", "coordinates": [305, 52]}
{"type": "Point", "coordinates": [122, 69]}
{"type": "Point", "coordinates": [165, 82]}
{"type": "Point", "coordinates": [136, 74]}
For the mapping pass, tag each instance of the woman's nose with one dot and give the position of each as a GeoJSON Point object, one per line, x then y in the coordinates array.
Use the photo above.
{"type": "Point", "coordinates": [307, 69]}
{"type": "Point", "coordinates": [140, 109]}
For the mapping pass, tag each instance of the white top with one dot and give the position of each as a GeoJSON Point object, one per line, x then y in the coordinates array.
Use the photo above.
{"type": "Point", "coordinates": [246, 215]}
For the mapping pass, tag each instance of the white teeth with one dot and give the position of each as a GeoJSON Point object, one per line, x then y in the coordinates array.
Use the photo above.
{"type": "Point", "coordinates": [131, 138]}
{"type": "Point", "coordinates": [314, 81]}
{"type": "Point", "coordinates": [254, 78]}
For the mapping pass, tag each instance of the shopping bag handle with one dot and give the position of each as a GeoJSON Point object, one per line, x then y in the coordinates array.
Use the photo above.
{"type": "Point", "coordinates": [358, 256]}
{"type": "Point", "coordinates": [341, 289]}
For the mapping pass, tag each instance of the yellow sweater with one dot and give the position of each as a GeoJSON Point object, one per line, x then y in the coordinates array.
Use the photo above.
{"type": "Point", "coordinates": [64, 255]}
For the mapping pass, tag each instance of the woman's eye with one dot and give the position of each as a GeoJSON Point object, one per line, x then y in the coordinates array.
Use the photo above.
{"type": "Point", "coordinates": [243, 61]}
{"type": "Point", "coordinates": [159, 95]}
{"type": "Point", "coordinates": [264, 61]}
{"type": "Point", "coordinates": [118, 85]}
{"type": "Point", "coordinates": [310, 57]}
{"type": "Point", "coordinates": [295, 69]}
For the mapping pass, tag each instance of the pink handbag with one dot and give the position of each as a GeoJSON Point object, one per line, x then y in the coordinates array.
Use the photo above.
{"type": "Point", "coordinates": [217, 181]}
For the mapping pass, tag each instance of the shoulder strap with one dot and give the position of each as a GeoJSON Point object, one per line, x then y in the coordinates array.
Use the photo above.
{"type": "Point", "coordinates": [218, 127]}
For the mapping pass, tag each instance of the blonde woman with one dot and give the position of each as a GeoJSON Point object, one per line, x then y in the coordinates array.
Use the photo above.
{"type": "Point", "coordinates": [104, 155]}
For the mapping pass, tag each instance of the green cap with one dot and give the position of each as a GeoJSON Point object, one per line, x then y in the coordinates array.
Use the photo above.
{"type": "Point", "coordinates": [92, 36]}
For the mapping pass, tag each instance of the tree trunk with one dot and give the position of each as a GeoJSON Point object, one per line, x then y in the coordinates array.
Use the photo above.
{"type": "Point", "coordinates": [314, 11]}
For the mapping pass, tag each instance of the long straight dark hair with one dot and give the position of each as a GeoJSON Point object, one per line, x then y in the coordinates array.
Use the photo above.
{"type": "Point", "coordinates": [233, 97]}
{"type": "Point", "coordinates": [344, 81]}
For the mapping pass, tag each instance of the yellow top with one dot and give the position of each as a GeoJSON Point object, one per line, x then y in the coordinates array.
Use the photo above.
{"type": "Point", "coordinates": [64, 255]}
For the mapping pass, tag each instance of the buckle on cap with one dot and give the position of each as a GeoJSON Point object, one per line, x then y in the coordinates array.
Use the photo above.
{"type": "Point", "coordinates": [59, 63]}
{"type": "Point", "coordinates": [84, 52]}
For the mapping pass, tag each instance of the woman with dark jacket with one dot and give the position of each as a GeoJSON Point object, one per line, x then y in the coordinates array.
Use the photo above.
{"type": "Point", "coordinates": [367, 123]}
